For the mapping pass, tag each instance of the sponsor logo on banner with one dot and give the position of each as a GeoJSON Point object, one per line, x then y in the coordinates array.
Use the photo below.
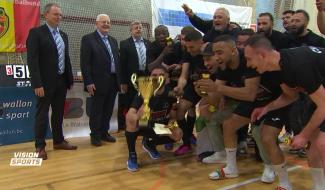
{"type": "Point", "coordinates": [26, 159]}
{"type": "Point", "coordinates": [4, 22]}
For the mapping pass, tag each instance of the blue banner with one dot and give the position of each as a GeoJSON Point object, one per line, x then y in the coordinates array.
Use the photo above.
{"type": "Point", "coordinates": [17, 115]}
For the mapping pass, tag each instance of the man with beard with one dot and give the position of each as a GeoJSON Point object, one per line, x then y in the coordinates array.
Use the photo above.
{"type": "Point", "coordinates": [302, 70]}
{"type": "Point", "coordinates": [162, 112]}
{"type": "Point", "coordinates": [286, 20]}
{"type": "Point", "coordinates": [220, 24]}
{"type": "Point", "coordinates": [301, 34]}
{"type": "Point", "coordinates": [265, 27]}
{"type": "Point", "coordinates": [235, 81]}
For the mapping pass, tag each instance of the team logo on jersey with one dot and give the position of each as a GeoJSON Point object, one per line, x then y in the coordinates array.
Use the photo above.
{"type": "Point", "coordinates": [4, 22]}
{"type": "Point", "coordinates": [315, 49]}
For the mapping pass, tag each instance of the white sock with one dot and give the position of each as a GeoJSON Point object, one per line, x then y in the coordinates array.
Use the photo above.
{"type": "Point", "coordinates": [269, 168]}
{"type": "Point", "coordinates": [231, 160]}
{"type": "Point", "coordinates": [281, 171]}
{"type": "Point", "coordinates": [318, 178]}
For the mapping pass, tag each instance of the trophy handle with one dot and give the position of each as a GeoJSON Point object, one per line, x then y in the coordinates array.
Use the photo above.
{"type": "Point", "coordinates": [134, 81]}
{"type": "Point", "coordinates": [160, 82]}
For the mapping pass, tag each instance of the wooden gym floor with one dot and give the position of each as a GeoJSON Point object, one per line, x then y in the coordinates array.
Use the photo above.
{"type": "Point", "coordinates": [101, 168]}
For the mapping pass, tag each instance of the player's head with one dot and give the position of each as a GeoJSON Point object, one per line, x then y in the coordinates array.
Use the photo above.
{"type": "Point", "coordinates": [160, 71]}
{"type": "Point", "coordinates": [193, 42]}
{"type": "Point", "coordinates": [242, 37]}
{"type": "Point", "coordinates": [299, 22]}
{"type": "Point", "coordinates": [257, 49]}
{"type": "Point", "coordinates": [185, 31]}
{"type": "Point", "coordinates": [265, 23]}
{"type": "Point", "coordinates": [208, 58]}
{"type": "Point", "coordinates": [161, 33]}
{"type": "Point", "coordinates": [224, 49]}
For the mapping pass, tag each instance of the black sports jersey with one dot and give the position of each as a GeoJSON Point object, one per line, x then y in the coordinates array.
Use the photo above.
{"type": "Point", "coordinates": [236, 77]}
{"type": "Point", "coordinates": [196, 63]}
{"type": "Point", "coordinates": [303, 67]}
{"type": "Point", "coordinates": [279, 40]}
{"type": "Point", "coordinates": [175, 56]}
{"type": "Point", "coordinates": [153, 51]}
{"type": "Point", "coordinates": [311, 39]}
{"type": "Point", "coordinates": [160, 106]}
{"type": "Point", "coordinates": [269, 88]}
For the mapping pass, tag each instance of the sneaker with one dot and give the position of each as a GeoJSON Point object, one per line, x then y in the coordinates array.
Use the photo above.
{"type": "Point", "coordinates": [132, 163]}
{"type": "Point", "coordinates": [183, 149]}
{"type": "Point", "coordinates": [203, 155]}
{"type": "Point", "coordinates": [268, 174]}
{"type": "Point", "coordinates": [150, 149]}
{"type": "Point", "coordinates": [221, 174]}
{"type": "Point", "coordinates": [216, 158]}
{"type": "Point", "coordinates": [169, 146]}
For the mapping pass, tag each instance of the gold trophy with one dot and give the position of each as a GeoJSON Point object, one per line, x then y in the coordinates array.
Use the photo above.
{"type": "Point", "coordinates": [147, 87]}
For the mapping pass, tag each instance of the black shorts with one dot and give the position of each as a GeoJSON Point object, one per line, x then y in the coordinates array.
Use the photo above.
{"type": "Point", "coordinates": [276, 118]}
{"type": "Point", "coordinates": [190, 94]}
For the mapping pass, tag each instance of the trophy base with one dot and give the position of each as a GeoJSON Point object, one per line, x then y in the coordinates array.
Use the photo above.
{"type": "Point", "coordinates": [143, 123]}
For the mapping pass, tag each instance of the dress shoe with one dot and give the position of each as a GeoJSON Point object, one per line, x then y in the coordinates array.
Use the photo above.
{"type": "Point", "coordinates": [41, 153]}
{"type": "Point", "coordinates": [95, 142]}
{"type": "Point", "coordinates": [64, 145]}
{"type": "Point", "coordinates": [108, 138]}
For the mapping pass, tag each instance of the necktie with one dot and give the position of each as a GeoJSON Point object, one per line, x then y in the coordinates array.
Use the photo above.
{"type": "Point", "coordinates": [142, 55]}
{"type": "Point", "coordinates": [60, 47]}
{"type": "Point", "coordinates": [108, 46]}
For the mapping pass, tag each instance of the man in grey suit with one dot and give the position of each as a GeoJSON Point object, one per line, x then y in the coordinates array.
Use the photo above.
{"type": "Point", "coordinates": [99, 61]}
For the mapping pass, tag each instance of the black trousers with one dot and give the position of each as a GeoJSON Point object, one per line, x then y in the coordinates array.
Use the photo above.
{"type": "Point", "coordinates": [124, 103]}
{"type": "Point", "coordinates": [55, 98]}
{"type": "Point", "coordinates": [102, 105]}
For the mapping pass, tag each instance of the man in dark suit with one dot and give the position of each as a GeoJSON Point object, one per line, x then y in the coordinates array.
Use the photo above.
{"type": "Point", "coordinates": [99, 61]}
{"type": "Point", "coordinates": [132, 60]}
{"type": "Point", "coordinates": [51, 75]}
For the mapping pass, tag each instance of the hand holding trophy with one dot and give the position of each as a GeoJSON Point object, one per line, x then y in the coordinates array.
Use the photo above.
{"type": "Point", "coordinates": [147, 87]}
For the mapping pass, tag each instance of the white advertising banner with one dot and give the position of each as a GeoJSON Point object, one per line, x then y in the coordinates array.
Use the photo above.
{"type": "Point", "coordinates": [171, 14]}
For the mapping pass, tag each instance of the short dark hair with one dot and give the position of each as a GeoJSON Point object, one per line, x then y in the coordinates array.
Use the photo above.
{"type": "Point", "coordinates": [193, 35]}
{"type": "Point", "coordinates": [161, 28]}
{"type": "Point", "coordinates": [186, 29]}
{"type": "Point", "coordinates": [48, 7]}
{"type": "Point", "coordinates": [224, 38]}
{"type": "Point", "coordinates": [236, 24]}
{"type": "Point", "coordinates": [288, 12]}
{"type": "Point", "coordinates": [259, 40]}
{"type": "Point", "coordinates": [246, 32]}
{"type": "Point", "coordinates": [161, 67]}
{"type": "Point", "coordinates": [306, 15]}
{"type": "Point", "coordinates": [268, 15]}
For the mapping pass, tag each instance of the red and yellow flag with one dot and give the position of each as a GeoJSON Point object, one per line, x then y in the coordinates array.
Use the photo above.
{"type": "Point", "coordinates": [17, 17]}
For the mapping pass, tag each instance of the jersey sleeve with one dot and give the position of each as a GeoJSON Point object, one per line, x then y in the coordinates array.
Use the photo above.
{"type": "Point", "coordinates": [309, 77]}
